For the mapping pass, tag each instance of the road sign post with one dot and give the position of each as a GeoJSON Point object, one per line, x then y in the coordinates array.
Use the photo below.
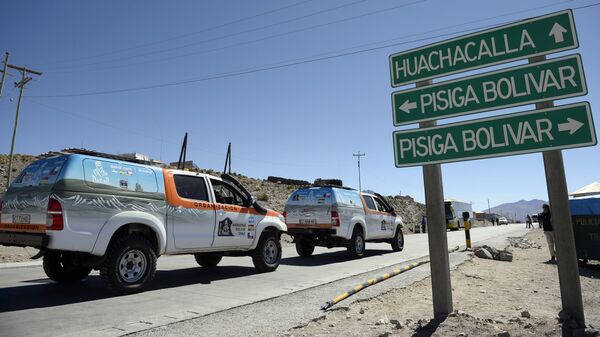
{"type": "Point", "coordinates": [568, 270]}
{"type": "Point", "coordinates": [548, 129]}
{"type": "Point", "coordinates": [563, 127]}
{"type": "Point", "coordinates": [441, 287]}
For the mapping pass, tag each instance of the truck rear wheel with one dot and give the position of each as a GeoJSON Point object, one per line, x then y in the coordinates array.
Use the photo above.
{"type": "Point", "coordinates": [61, 269]}
{"type": "Point", "coordinates": [305, 247]}
{"type": "Point", "coordinates": [267, 254]}
{"type": "Point", "coordinates": [208, 260]}
{"type": "Point", "coordinates": [398, 240]}
{"type": "Point", "coordinates": [356, 246]}
{"type": "Point", "coordinates": [130, 264]}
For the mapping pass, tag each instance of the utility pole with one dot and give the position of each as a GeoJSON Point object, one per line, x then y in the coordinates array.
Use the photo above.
{"type": "Point", "coordinates": [3, 72]}
{"type": "Point", "coordinates": [21, 85]}
{"type": "Point", "coordinates": [359, 155]}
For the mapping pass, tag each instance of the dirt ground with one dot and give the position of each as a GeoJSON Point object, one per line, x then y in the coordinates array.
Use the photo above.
{"type": "Point", "coordinates": [16, 254]}
{"type": "Point", "coordinates": [491, 298]}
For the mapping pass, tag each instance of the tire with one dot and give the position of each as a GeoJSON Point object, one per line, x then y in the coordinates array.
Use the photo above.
{"type": "Point", "coordinates": [61, 269]}
{"type": "Point", "coordinates": [208, 260]}
{"type": "Point", "coordinates": [305, 247]}
{"type": "Point", "coordinates": [267, 254]}
{"type": "Point", "coordinates": [130, 264]}
{"type": "Point", "coordinates": [356, 246]}
{"type": "Point", "coordinates": [398, 240]}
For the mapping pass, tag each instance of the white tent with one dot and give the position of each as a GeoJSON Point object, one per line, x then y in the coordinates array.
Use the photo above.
{"type": "Point", "coordinates": [591, 189]}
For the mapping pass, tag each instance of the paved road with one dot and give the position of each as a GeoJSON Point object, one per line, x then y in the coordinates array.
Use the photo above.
{"type": "Point", "coordinates": [31, 305]}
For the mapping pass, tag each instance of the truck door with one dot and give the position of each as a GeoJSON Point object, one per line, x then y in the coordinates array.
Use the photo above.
{"type": "Point", "coordinates": [373, 218]}
{"type": "Point", "coordinates": [235, 221]}
{"type": "Point", "coordinates": [191, 213]}
{"type": "Point", "coordinates": [387, 224]}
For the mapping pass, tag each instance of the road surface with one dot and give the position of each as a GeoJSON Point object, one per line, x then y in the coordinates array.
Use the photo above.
{"type": "Point", "coordinates": [32, 305]}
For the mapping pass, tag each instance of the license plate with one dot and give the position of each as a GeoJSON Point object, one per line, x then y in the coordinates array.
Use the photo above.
{"type": "Point", "coordinates": [308, 221]}
{"type": "Point", "coordinates": [21, 218]}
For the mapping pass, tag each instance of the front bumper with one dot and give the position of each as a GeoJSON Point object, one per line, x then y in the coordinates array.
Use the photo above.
{"type": "Point", "coordinates": [36, 240]}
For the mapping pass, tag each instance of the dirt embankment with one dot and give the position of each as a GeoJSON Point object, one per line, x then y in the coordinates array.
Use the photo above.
{"type": "Point", "coordinates": [491, 298]}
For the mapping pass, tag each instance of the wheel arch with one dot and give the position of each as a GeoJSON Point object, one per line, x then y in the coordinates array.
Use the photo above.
{"type": "Point", "coordinates": [131, 222]}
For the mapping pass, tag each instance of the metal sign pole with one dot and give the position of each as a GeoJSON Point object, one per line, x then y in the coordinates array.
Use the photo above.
{"type": "Point", "coordinates": [568, 270]}
{"type": "Point", "coordinates": [436, 234]}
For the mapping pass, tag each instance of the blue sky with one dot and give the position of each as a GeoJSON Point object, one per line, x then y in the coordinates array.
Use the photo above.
{"type": "Point", "coordinates": [300, 121]}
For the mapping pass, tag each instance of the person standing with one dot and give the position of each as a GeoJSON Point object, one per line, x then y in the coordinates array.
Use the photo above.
{"type": "Point", "coordinates": [423, 224]}
{"type": "Point", "coordinates": [545, 219]}
{"type": "Point", "coordinates": [529, 223]}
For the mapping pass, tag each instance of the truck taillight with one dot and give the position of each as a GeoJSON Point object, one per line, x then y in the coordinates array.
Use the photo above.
{"type": "Point", "coordinates": [54, 219]}
{"type": "Point", "coordinates": [284, 214]}
{"type": "Point", "coordinates": [335, 219]}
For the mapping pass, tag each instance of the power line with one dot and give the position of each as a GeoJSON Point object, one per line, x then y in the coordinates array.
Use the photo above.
{"type": "Point", "coordinates": [130, 131]}
{"type": "Point", "coordinates": [179, 36]}
{"type": "Point", "coordinates": [385, 10]}
{"type": "Point", "coordinates": [292, 63]}
{"type": "Point", "coordinates": [245, 31]}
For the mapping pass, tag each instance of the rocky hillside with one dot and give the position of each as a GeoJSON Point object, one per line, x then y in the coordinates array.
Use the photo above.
{"type": "Point", "coordinates": [271, 194]}
{"type": "Point", "coordinates": [19, 162]}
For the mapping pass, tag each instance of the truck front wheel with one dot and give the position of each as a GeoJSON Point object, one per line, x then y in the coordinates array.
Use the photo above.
{"type": "Point", "coordinates": [130, 264]}
{"type": "Point", "coordinates": [267, 255]}
{"type": "Point", "coordinates": [398, 240]}
{"type": "Point", "coordinates": [61, 269]}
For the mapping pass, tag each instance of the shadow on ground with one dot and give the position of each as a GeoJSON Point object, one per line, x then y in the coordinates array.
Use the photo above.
{"type": "Point", "coordinates": [328, 258]}
{"type": "Point", "coordinates": [428, 329]}
{"type": "Point", "coordinates": [32, 294]}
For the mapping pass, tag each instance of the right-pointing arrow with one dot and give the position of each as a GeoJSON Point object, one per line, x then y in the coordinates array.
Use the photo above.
{"type": "Point", "coordinates": [571, 125]}
{"type": "Point", "coordinates": [557, 31]}
{"type": "Point", "coordinates": [407, 106]}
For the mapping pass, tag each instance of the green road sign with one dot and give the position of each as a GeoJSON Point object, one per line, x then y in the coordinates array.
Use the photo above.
{"type": "Point", "coordinates": [536, 36]}
{"type": "Point", "coordinates": [549, 80]}
{"type": "Point", "coordinates": [561, 127]}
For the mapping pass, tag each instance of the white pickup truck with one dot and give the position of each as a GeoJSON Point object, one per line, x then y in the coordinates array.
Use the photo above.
{"type": "Point", "coordinates": [86, 212]}
{"type": "Point", "coordinates": [332, 216]}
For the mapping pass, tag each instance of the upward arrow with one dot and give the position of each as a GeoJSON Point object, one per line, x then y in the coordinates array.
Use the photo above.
{"type": "Point", "coordinates": [557, 31]}
{"type": "Point", "coordinates": [571, 125]}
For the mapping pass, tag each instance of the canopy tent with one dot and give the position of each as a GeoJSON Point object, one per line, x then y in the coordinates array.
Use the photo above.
{"type": "Point", "coordinates": [591, 189]}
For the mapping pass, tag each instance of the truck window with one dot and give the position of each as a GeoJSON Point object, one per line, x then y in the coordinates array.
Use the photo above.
{"type": "Point", "coordinates": [40, 173]}
{"type": "Point", "coordinates": [115, 175]}
{"type": "Point", "coordinates": [380, 205]}
{"type": "Point", "coordinates": [348, 198]}
{"type": "Point", "coordinates": [369, 202]}
{"type": "Point", "coordinates": [226, 194]}
{"type": "Point", "coordinates": [191, 187]}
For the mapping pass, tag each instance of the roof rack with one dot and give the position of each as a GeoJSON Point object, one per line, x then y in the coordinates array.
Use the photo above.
{"type": "Point", "coordinates": [97, 154]}
{"type": "Point", "coordinates": [335, 186]}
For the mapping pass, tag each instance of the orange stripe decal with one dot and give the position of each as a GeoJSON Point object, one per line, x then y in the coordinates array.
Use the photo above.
{"type": "Point", "coordinates": [175, 200]}
{"type": "Point", "coordinates": [31, 228]}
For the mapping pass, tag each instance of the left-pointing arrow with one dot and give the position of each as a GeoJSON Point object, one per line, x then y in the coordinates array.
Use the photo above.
{"type": "Point", "coordinates": [407, 106]}
{"type": "Point", "coordinates": [571, 125]}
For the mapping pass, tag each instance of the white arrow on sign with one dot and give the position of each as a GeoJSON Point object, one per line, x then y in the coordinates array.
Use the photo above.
{"type": "Point", "coordinates": [407, 106]}
{"type": "Point", "coordinates": [557, 31]}
{"type": "Point", "coordinates": [571, 125]}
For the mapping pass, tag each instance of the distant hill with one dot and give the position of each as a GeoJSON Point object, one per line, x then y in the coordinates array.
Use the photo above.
{"type": "Point", "coordinates": [521, 208]}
